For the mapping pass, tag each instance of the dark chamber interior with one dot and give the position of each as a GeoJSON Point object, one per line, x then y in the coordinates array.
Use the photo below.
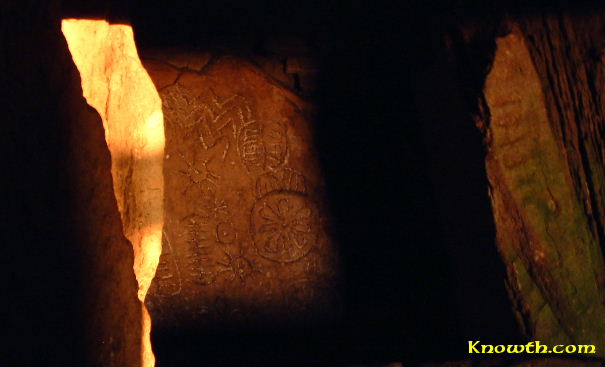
{"type": "Point", "coordinates": [404, 169]}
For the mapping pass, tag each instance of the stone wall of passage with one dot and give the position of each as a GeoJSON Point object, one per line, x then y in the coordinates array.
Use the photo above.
{"type": "Point", "coordinates": [544, 163]}
{"type": "Point", "coordinates": [71, 296]}
{"type": "Point", "coordinates": [246, 235]}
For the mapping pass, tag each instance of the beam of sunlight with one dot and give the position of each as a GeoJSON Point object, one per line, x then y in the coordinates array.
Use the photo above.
{"type": "Point", "coordinates": [115, 83]}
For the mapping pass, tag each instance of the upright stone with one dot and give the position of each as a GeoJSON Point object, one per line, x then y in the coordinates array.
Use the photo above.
{"type": "Point", "coordinates": [544, 232]}
{"type": "Point", "coordinates": [246, 234]}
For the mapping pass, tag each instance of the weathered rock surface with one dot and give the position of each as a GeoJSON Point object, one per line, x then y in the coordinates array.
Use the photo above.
{"type": "Point", "coordinates": [113, 313]}
{"type": "Point", "coordinates": [246, 229]}
{"type": "Point", "coordinates": [545, 169]}
{"type": "Point", "coordinates": [115, 83]}
{"type": "Point", "coordinates": [73, 297]}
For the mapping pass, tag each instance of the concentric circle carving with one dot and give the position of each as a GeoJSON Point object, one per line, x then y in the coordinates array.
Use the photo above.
{"type": "Point", "coordinates": [284, 226]}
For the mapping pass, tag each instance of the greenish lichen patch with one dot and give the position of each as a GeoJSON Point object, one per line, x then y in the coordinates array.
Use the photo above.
{"type": "Point", "coordinates": [544, 233]}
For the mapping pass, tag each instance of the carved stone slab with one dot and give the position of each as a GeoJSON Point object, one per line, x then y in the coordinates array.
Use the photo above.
{"type": "Point", "coordinates": [245, 235]}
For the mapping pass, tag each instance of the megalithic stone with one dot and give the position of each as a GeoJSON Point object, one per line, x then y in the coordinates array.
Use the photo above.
{"type": "Point", "coordinates": [246, 235]}
{"type": "Point", "coordinates": [552, 254]}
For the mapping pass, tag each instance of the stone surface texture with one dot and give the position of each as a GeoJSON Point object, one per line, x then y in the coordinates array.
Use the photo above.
{"type": "Point", "coordinates": [246, 234]}
{"type": "Point", "coordinates": [544, 164]}
{"type": "Point", "coordinates": [73, 299]}
{"type": "Point", "coordinates": [115, 83]}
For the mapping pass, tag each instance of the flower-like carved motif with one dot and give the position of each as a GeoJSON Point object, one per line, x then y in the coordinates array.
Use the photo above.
{"type": "Point", "coordinates": [284, 225]}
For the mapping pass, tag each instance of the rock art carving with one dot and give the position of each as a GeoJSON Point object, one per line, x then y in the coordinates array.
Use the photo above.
{"type": "Point", "coordinates": [240, 203]}
{"type": "Point", "coordinates": [168, 278]}
{"type": "Point", "coordinates": [284, 226]}
{"type": "Point", "coordinates": [226, 233]}
{"type": "Point", "coordinates": [275, 143]}
{"type": "Point", "coordinates": [282, 180]}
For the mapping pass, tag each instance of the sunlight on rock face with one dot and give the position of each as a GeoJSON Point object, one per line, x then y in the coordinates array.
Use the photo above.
{"type": "Point", "coordinates": [115, 83]}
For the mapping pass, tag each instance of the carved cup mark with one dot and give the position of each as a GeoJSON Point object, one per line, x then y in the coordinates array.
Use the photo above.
{"type": "Point", "coordinates": [225, 233]}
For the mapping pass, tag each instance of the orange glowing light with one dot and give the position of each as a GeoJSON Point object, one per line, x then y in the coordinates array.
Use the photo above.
{"type": "Point", "coordinates": [115, 83]}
